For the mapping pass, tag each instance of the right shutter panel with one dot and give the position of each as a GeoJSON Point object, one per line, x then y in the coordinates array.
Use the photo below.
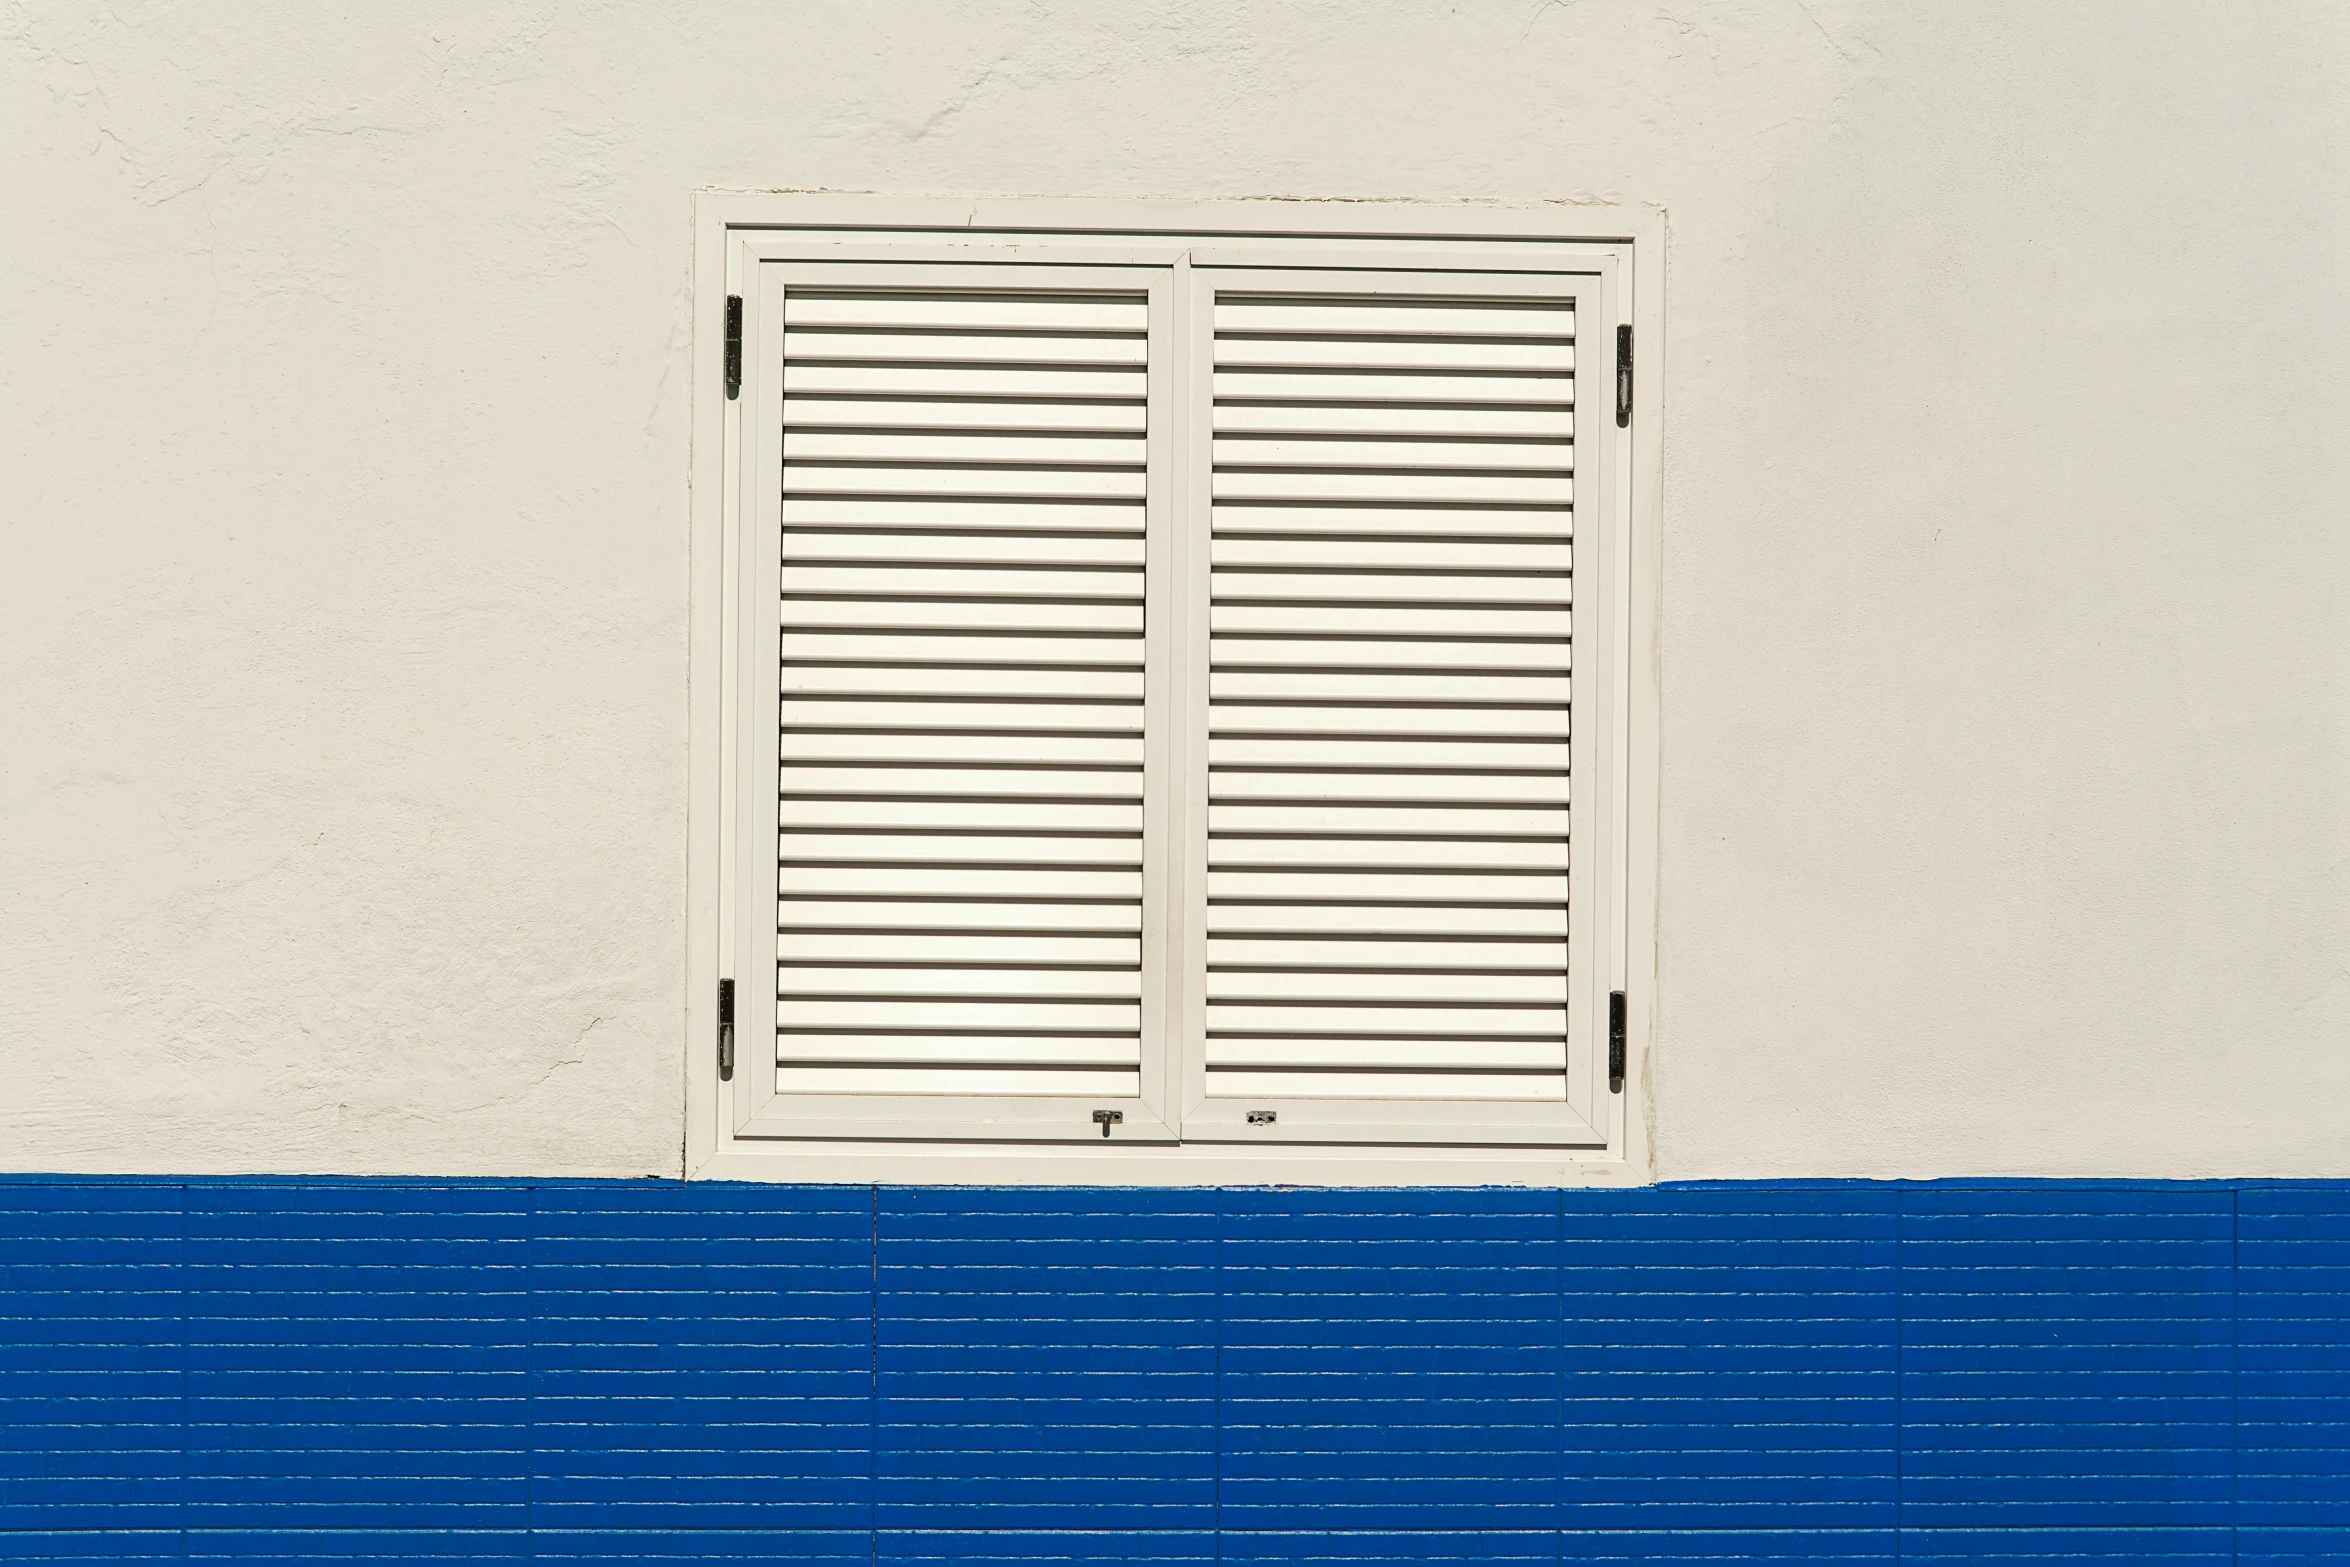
{"type": "Point", "coordinates": [1390, 647]}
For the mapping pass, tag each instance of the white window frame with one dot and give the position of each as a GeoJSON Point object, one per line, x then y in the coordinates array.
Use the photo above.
{"type": "Point", "coordinates": [737, 1130]}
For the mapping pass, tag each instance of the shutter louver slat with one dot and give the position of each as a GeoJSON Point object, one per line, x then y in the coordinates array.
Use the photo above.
{"type": "Point", "coordinates": [961, 786]}
{"type": "Point", "coordinates": [1389, 637]}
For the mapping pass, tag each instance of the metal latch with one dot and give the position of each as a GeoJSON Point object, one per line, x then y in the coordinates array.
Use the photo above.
{"type": "Point", "coordinates": [1263, 1117]}
{"type": "Point", "coordinates": [1105, 1119]}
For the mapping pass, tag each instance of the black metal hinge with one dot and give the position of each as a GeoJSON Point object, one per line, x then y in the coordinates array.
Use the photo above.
{"type": "Point", "coordinates": [1615, 1041]}
{"type": "Point", "coordinates": [726, 1031]}
{"type": "Point", "coordinates": [1623, 377]}
{"type": "Point", "coordinates": [734, 348]}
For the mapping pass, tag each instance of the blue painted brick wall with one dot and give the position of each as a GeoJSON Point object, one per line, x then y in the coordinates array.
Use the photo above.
{"type": "Point", "coordinates": [585, 1372]}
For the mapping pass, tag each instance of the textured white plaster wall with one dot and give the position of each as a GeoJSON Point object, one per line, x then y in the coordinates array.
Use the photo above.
{"type": "Point", "coordinates": [2007, 597]}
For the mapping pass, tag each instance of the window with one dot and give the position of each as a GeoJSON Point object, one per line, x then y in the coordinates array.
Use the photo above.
{"type": "Point", "coordinates": [1138, 657]}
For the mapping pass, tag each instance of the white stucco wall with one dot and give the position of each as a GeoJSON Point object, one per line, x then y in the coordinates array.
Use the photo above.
{"type": "Point", "coordinates": [2006, 816]}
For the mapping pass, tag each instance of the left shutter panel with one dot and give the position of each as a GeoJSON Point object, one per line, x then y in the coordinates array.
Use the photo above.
{"type": "Point", "coordinates": [963, 792]}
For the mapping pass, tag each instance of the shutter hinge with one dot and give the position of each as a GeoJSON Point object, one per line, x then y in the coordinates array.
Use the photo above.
{"type": "Point", "coordinates": [1615, 1041]}
{"type": "Point", "coordinates": [1623, 377]}
{"type": "Point", "coordinates": [726, 1031]}
{"type": "Point", "coordinates": [734, 350]}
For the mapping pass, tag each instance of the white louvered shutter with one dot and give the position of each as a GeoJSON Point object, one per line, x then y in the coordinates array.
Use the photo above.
{"type": "Point", "coordinates": [1175, 698]}
{"type": "Point", "coordinates": [962, 838]}
{"type": "Point", "coordinates": [1390, 645]}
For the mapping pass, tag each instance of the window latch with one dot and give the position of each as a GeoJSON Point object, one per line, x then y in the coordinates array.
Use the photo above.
{"type": "Point", "coordinates": [1105, 1119]}
{"type": "Point", "coordinates": [1615, 1041]}
{"type": "Point", "coordinates": [726, 1031]}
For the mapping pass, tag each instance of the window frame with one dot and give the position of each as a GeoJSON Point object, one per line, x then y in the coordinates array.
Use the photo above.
{"type": "Point", "coordinates": [735, 1131]}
